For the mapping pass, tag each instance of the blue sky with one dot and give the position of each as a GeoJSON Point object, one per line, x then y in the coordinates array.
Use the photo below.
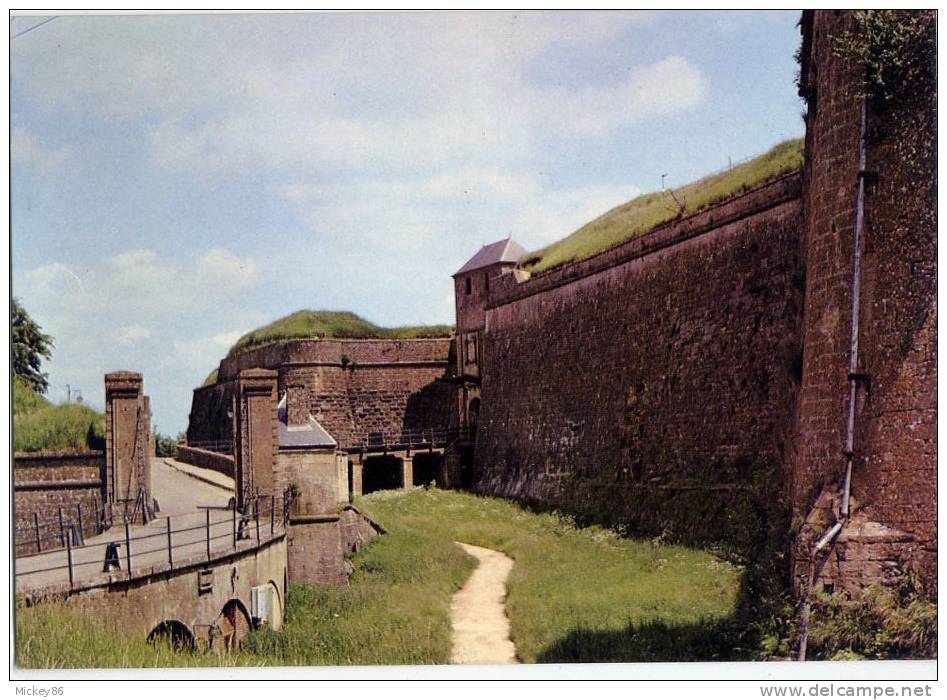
{"type": "Point", "coordinates": [179, 180]}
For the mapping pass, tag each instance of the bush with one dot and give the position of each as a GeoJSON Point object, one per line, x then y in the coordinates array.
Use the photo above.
{"type": "Point", "coordinates": [165, 445]}
{"type": "Point", "coordinates": [882, 623]}
{"type": "Point", "coordinates": [69, 426]}
{"type": "Point", "coordinates": [25, 398]}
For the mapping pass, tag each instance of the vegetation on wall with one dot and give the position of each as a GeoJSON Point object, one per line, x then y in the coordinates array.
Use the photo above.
{"type": "Point", "coordinates": [331, 324]}
{"type": "Point", "coordinates": [895, 47]}
{"type": "Point", "coordinates": [895, 622]}
{"type": "Point", "coordinates": [644, 213]}
{"type": "Point", "coordinates": [68, 426]}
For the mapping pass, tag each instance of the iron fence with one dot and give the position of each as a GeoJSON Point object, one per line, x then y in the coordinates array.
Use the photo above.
{"type": "Point", "coordinates": [417, 439]}
{"type": "Point", "coordinates": [168, 540]}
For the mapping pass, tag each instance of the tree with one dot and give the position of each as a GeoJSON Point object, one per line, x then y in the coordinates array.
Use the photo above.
{"type": "Point", "coordinates": [29, 345]}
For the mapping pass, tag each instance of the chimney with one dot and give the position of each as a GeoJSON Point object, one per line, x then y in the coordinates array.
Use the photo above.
{"type": "Point", "coordinates": [297, 405]}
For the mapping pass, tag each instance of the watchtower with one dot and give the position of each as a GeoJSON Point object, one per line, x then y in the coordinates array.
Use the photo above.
{"type": "Point", "coordinates": [472, 284]}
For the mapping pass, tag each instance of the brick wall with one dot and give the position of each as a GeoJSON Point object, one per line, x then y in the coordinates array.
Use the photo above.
{"type": "Point", "coordinates": [655, 385]}
{"type": "Point", "coordinates": [894, 468]}
{"type": "Point", "coordinates": [44, 482]}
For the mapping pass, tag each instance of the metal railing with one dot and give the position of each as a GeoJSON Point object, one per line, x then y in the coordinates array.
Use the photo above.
{"type": "Point", "coordinates": [418, 439]}
{"type": "Point", "coordinates": [71, 523]}
{"type": "Point", "coordinates": [264, 518]}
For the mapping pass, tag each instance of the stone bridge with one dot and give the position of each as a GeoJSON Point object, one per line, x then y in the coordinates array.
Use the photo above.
{"type": "Point", "coordinates": [201, 573]}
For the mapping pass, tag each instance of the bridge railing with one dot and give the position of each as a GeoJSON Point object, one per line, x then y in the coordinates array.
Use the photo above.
{"type": "Point", "coordinates": [416, 439]}
{"type": "Point", "coordinates": [167, 541]}
{"type": "Point", "coordinates": [73, 522]}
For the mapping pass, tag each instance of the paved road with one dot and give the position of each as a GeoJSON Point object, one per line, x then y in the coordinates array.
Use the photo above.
{"type": "Point", "coordinates": [184, 500]}
{"type": "Point", "coordinates": [478, 614]}
{"type": "Point", "coordinates": [178, 492]}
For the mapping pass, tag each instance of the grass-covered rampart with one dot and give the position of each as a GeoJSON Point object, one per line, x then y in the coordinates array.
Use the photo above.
{"type": "Point", "coordinates": [644, 213]}
{"type": "Point", "coordinates": [331, 324]}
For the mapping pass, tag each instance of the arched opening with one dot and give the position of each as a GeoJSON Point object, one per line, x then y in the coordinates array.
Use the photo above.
{"type": "Point", "coordinates": [174, 633]}
{"type": "Point", "coordinates": [234, 625]}
{"type": "Point", "coordinates": [473, 417]}
{"type": "Point", "coordinates": [427, 466]}
{"type": "Point", "coordinates": [382, 472]}
{"type": "Point", "coordinates": [276, 618]}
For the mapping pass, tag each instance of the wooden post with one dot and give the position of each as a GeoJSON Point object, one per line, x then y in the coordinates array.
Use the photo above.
{"type": "Point", "coordinates": [207, 513]}
{"type": "Point", "coordinates": [170, 556]}
{"type": "Point", "coordinates": [39, 540]}
{"type": "Point", "coordinates": [128, 550]}
{"type": "Point", "coordinates": [69, 559]}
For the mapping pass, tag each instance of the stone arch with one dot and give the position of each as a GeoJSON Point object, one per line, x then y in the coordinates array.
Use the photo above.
{"type": "Point", "coordinates": [177, 634]}
{"type": "Point", "coordinates": [234, 624]}
{"type": "Point", "coordinates": [277, 620]}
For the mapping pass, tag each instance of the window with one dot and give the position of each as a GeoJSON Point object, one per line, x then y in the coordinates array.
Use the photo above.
{"type": "Point", "coordinates": [486, 281]}
{"type": "Point", "coordinates": [467, 285]}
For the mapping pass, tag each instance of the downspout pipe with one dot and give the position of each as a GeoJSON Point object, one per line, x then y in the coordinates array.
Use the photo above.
{"type": "Point", "coordinates": [827, 540]}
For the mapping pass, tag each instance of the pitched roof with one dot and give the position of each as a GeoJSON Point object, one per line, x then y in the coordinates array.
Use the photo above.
{"type": "Point", "coordinates": [505, 251]}
{"type": "Point", "coordinates": [309, 435]}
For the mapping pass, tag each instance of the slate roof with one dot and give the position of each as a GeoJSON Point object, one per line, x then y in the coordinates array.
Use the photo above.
{"type": "Point", "coordinates": [505, 251]}
{"type": "Point", "coordinates": [309, 435]}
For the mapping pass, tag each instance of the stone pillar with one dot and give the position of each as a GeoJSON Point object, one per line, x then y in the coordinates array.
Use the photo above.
{"type": "Point", "coordinates": [127, 438]}
{"type": "Point", "coordinates": [407, 472]}
{"type": "Point", "coordinates": [356, 467]}
{"type": "Point", "coordinates": [255, 441]}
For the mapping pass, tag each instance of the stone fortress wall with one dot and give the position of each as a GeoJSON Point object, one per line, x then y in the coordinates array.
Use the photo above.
{"type": "Point", "coordinates": [697, 381]}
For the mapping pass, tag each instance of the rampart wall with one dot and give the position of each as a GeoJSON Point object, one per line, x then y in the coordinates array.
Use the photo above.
{"type": "Point", "coordinates": [355, 387]}
{"type": "Point", "coordinates": [894, 441]}
{"type": "Point", "coordinates": [654, 385]}
{"type": "Point", "coordinates": [44, 483]}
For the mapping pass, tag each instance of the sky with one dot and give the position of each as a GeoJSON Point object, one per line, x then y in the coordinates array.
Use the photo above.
{"type": "Point", "coordinates": [178, 180]}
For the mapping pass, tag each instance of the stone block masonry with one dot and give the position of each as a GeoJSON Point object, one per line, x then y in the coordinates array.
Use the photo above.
{"type": "Point", "coordinates": [355, 388]}
{"type": "Point", "coordinates": [655, 391]}
{"type": "Point", "coordinates": [45, 483]}
{"type": "Point", "coordinates": [894, 442]}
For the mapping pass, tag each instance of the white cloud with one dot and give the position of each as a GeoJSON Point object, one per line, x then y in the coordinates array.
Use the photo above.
{"type": "Point", "coordinates": [26, 150]}
{"type": "Point", "coordinates": [129, 335]}
{"type": "Point", "coordinates": [171, 319]}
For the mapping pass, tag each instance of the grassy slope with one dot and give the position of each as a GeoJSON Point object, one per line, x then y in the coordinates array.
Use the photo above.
{"type": "Point", "coordinates": [40, 425]}
{"type": "Point", "coordinates": [330, 324]}
{"type": "Point", "coordinates": [574, 595]}
{"type": "Point", "coordinates": [580, 594]}
{"type": "Point", "coordinates": [648, 211]}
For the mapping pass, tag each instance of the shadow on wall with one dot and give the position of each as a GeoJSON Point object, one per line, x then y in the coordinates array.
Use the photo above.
{"type": "Point", "coordinates": [428, 407]}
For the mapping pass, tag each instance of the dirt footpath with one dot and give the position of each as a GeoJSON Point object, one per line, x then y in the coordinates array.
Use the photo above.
{"type": "Point", "coordinates": [481, 627]}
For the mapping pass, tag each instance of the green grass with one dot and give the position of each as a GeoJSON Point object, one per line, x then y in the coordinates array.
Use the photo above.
{"type": "Point", "coordinates": [574, 595]}
{"type": "Point", "coordinates": [40, 425]}
{"type": "Point", "coordinates": [331, 324]}
{"type": "Point", "coordinates": [648, 211]}
{"type": "Point", "coordinates": [25, 399]}
{"type": "Point", "coordinates": [212, 377]}
{"type": "Point", "coordinates": [582, 594]}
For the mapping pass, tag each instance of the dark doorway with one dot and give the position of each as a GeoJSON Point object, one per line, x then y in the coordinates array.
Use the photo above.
{"type": "Point", "coordinates": [381, 472]}
{"type": "Point", "coordinates": [473, 417]}
{"type": "Point", "coordinates": [427, 466]}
